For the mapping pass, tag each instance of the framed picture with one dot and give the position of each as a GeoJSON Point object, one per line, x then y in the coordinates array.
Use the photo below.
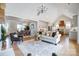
{"type": "Point", "coordinates": [32, 26]}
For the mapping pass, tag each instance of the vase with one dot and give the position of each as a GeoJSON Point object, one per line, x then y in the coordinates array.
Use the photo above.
{"type": "Point", "coordinates": [3, 45]}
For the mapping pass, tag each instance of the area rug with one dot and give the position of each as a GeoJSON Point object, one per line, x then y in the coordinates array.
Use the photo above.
{"type": "Point", "coordinates": [39, 48]}
{"type": "Point", "coordinates": [7, 52]}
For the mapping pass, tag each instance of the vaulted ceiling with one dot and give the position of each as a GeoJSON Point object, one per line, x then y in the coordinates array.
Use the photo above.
{"type": "Point", "coordinates": [29, 10]}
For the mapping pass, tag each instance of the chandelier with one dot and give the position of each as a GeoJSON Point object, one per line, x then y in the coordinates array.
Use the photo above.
{"type": "Point", "coordinates": [42, 9]}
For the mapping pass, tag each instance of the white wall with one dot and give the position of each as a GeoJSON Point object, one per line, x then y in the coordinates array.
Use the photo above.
{"type": "Point", "coordinates": [78, 30]}
{"type": "Point", "coordinates": [12, 26]}
{"type": "Point", "coordinates": [12, 23]}
{"type": "Point", "coordinates": [78, 27]}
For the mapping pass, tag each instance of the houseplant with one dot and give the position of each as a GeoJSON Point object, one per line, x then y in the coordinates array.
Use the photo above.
{"type": "Point", "coordinates": [27, 27]}
{"type": "Point", "coordinates": [3, 35]}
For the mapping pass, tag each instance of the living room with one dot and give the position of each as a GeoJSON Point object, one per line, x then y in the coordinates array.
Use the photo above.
{"type": "Point", "coordinates": [40, 26]}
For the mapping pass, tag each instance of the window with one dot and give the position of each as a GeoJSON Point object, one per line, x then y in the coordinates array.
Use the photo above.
{"type": "Point", "coordinates": [20, 27]}
{"type": "Point", "coordinates": [68, 25]}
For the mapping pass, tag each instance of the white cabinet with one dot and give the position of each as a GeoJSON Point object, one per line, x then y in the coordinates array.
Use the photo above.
{"type": "Point", "coordinates": [73, 35]}
{"type": "Point", "coordinates": [74, 21]}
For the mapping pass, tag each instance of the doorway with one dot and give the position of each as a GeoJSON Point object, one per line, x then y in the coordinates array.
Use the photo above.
{"type": "Point", "coordinates": [62, 27]}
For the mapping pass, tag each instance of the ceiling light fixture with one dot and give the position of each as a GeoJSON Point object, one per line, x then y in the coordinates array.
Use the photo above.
{"type": "Point", "coordinates": [42, 9]}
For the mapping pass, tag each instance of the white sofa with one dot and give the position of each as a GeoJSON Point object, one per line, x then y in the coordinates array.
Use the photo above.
{"type": "Point", "coordinates": [50, 39]}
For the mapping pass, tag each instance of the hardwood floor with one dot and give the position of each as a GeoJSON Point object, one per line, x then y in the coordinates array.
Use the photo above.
{"type": "Point", "coordinates": [17, 50]}
{"type": "Point", "coordinates": [71, 48]}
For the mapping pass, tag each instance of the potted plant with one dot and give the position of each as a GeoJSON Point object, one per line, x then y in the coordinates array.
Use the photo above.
{"type": "Point", "coordinates": [27, 27]}
{"type": "Point", "coordinates": [3, 36]}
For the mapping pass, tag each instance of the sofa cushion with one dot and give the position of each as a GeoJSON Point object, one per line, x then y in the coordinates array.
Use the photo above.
{"type": "Point", "coordinates": [54, 39]}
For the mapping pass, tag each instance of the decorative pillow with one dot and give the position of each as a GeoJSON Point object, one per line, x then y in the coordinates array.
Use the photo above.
{"type": "Point", "coordinates": [15, 35]}
{"type": "Point", "coordinates": [53, 34]}
{"type": "Point", "coordinates": [40, 32]}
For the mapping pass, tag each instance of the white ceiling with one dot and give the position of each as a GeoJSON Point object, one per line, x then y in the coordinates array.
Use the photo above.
{"type": "Point", "coordinates": [29, 10]}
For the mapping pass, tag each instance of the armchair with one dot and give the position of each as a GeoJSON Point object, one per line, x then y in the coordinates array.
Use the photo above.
{"type": "Point", "coordinates": [15, 37]}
